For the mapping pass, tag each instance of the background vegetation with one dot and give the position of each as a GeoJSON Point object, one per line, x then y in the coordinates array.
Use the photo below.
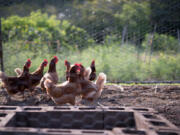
{"type": "Point", "coordinates": [130, 40]}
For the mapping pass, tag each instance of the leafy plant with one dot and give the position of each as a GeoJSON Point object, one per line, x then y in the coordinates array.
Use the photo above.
{"type": "Point", "coordinates": [43, 29]}
{"type": "Point", "coordinates": [161, 42]}
{"type": "Point", "coordinates": [120, 63]}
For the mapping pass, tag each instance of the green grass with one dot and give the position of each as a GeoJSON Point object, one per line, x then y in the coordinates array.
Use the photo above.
{"type": "Point", "coordinates": [120, 63]}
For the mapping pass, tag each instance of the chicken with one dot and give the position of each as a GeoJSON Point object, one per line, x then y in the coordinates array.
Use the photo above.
{"type": "Point", "coordinates": [92, 76]}
{"type": "Point", "coordinates": [51, 73]}
{"type": "Point", "coordinates": [15, 84]}
{"type": "Point", "coordinates": [18, 71]}
{"type": "Point", "coordinates": [90, 90]}
{"type": "Point", "coordinates": [84, 73]}
{"type": "Point", "coordinates": [67, 91]}
{"type": "Point", "coordinates": [35, 77]}
{"type": "Point", "coordinates": [68, 66]}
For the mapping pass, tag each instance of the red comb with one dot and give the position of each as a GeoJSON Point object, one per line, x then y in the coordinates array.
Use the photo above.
{"type": "Point", "coordinates": [56, 59]}
{"type": "Point", "coordinates": [78, 64]}
{"type": "Point", "coordinates": [93, 61]}
{"type": "Point", "coordinates": [28, 63]}
{"type": "Point", "coordinates": [45, 60]}
{"type": "Point", "coordinates": [29, 60]}
{"type": "Point", "coordinates": [65, 62]}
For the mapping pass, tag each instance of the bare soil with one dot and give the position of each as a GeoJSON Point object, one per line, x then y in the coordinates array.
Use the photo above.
{"type": "Point", "coordinates": [163, 98]}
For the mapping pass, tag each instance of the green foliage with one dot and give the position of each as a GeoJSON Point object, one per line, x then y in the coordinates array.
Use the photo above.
{"type": "Point", "coordinates": [161, 42]}
{"type": "Point", "coordinates": [165, 15]}
{"type": "Point", "coordinates": [41, 28]}
{"type": "Point", "coordinates": [120, 63]}
{"type": "Point", "coordinates": [110, 17]}
{"type": "Point", "coordinates": [100, 18]}
{"type": "Point", "coordinates": [97, 16]}
{"type": "Point", "coordinates": [135, 15]}
{"type": "Point", "coordinates": [166, 67]}
{"type": "Point", "coordinates": [93, 30]}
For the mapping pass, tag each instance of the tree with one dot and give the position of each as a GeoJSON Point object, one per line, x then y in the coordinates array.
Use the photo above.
{"type": "Point", "coordinates": [165, 14]}
{"type": "Point", "coordinates": [40, 28]}
{"type": "Point", "coordinates": [135, 18]}
{"type": "Point", "coordinates": [97, 17]}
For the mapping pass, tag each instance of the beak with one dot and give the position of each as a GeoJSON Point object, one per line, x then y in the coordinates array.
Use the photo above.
{"type": "Point", "coordinates": [78, 71]}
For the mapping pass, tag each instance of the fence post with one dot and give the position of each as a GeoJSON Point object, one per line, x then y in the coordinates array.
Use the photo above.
{"type": "Point", "coordinates": [178, 35]}
{"type": "Point", "coordinates": [1, 49]}
{"type": "Point", "coordinates": [151, 43]}
{"type": "Point", "coordinates": [124, 34]}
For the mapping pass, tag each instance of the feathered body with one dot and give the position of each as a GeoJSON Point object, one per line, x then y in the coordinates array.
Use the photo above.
{"type": "Point", "coordinates": [15, 84]}
{"type": "Point", "coordinates": [34, 77]}
{"type": "Point", "coordinates": [51, 73]}
{"type": "Point", "coordinates": [67, 91]}
{"type": "Point", "coordinates": [88, 73]}
{"type": "Point", "coordinates": [92, 76]}
{"type": "Point", "coordinates": [90, 90]}
{"type": "Point", "coordinates": [37, 75]}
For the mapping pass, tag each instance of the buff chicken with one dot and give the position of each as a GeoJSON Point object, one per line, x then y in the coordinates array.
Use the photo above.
{"type": "Point", "coordinates": [67, 91]}
{"type": "Point", "coordinates": [51, 73]}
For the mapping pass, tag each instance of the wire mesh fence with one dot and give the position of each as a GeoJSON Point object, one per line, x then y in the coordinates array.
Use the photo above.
{"type": "Point", "coordinates": [129, 40]}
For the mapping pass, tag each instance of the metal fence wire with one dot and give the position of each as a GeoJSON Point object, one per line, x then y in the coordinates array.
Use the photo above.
{"type": "Point", "coordinates": [130, 40]}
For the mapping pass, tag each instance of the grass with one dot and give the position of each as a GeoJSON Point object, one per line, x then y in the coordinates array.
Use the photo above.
{"type": "Point", "coordinates": [120, 63]}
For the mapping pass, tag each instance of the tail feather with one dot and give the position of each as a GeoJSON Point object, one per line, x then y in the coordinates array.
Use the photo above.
{"type": "Point", "coordinates": [48, 84]}
{"type": "Point", "coordinates": [52, 89]}
{"type": "Point", "coordinates": [101, 80]}
{"type": "Point", "coordinates": [87, 73]}
{"type": "Point", "coordinates": [42, 84]}
{"type": "Point", "coordinates": [18, 71]}
{"type": "Point", "coordinates": [2, 76]}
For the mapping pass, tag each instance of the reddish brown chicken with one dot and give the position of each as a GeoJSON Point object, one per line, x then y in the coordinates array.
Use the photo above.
{"type": "Point", "coordinates": [14, 84]}
{"type": "Point", "coordinates": [37, 75]}
{"type": "Point", "coordinates": [90, 90]}
{"type": "Point", "coordinates": [51, 73]}
{"type": "Point", "coordinates": [68, 66]}
{"type": "Point", "coordinates": [92, 76]}
{"type": "Point", "coordinates": [88, 73]}
{"type": "Point", "coordinates": [67, 91]}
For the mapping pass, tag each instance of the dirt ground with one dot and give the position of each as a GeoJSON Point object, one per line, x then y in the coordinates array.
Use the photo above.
{"type": "Point", "coordinates": [163, 98]}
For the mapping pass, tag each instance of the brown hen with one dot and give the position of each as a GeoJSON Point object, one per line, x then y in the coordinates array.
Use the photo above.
{"type": "Point", "coordinates": [67, 91]}
{"type": "Point", "coordinates": [15, 84]}
{"type": "Point", "coordinates": [90, 90]}
{"type": "Point", "coordinates": [51, 73]}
